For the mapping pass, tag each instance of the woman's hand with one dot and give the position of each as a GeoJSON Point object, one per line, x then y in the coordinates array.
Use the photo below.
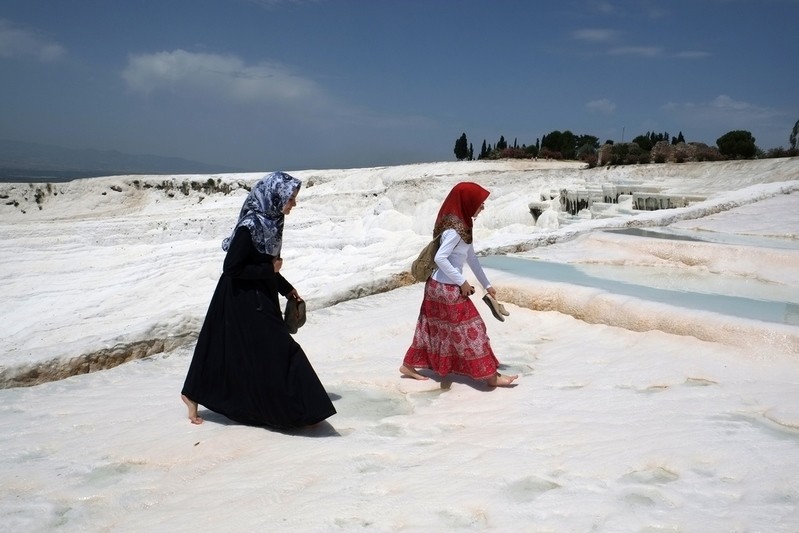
{"type": "Point", "coordinates": [277, 264]}
{"type": "Point", "coordinates": [294, 296]}
{"type": "Point", "coordinates": [466, 289]}
{"type": "Point", "coordinates": [492, 291]}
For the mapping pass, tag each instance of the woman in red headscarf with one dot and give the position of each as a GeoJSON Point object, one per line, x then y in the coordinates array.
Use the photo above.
{"type": "Point", "coordinates": [450, 335]}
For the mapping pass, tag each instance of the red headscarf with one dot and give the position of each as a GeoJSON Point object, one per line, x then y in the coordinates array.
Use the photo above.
{"type": "Point", "coordinates": [459, 208]}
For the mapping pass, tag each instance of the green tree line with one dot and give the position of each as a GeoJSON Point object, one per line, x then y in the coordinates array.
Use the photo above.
{"type": "Point", "coordinates": [736, 144]}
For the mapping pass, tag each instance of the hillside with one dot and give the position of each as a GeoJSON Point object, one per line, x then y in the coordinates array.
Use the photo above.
{"type": "Point", "coordinates": [23, 161]}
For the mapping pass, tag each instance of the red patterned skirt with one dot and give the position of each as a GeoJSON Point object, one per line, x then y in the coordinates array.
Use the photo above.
{"type": "Point", "coordinates": [450, 335]}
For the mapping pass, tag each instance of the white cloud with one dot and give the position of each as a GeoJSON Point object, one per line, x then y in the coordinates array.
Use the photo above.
{"type": "Point", "coordinates": [274, 3]}
{"type": "Point", "coordinates": [644, 51]}
{"type": "Point", "coordinates": [692, 54]}
{"type": "Point", "coordinates": [296, 103]}
{"type": "Point", "coordinates": [721, 106]}
{"type": "Point", "coordinates": [604, 106]}
{"type": "Point", "coordinates": [18, 42]}
{"type": "Point", "coordinates": [219, 76]}
{"type": "Point", "coordinates": [724, 102]}
{"type": "Point", "coordinates": [723, 114]}
{"type": "Point", "coordinates": [595, 35]}
{"type": "Point", "coordinates": [604, 7]}
{"type": "Point", "coordinates": [646, 8]}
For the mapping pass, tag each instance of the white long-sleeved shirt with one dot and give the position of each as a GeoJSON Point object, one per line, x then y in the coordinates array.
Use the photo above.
{"type": "Point", "coordinates": [450, 258]}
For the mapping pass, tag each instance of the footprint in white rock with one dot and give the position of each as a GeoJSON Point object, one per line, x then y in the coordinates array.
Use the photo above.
{"type": "Point", "coordinates": [369, 404]}
{"type": "Point", "coordinates": [529, 488]}
{"type": "Point", "coordinates": [654, 476]}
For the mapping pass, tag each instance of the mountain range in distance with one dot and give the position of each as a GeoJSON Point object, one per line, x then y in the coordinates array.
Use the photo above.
{"type": "Point", "coordinates": [30, 162]}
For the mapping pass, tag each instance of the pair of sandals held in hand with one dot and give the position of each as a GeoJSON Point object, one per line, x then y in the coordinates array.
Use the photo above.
{"type": "Point", "coordinates": [497, 309]}
{"type": "Point", "coordinates": [294, 315]}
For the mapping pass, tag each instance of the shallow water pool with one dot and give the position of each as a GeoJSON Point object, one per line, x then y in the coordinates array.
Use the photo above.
{"type": "Point", "coordinates": [759, 304]}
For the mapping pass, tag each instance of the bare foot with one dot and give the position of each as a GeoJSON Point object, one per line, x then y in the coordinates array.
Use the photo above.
{"type": "Point", "coordinates": [412, 373]}
{"type": "Point", "coordinates": [192, 405]}
{"type": "Point", "coordinates": [501, 381]}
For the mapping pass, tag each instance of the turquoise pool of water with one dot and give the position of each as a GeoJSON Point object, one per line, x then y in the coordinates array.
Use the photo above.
{"type": "Point", "coordinates": [765, 309]}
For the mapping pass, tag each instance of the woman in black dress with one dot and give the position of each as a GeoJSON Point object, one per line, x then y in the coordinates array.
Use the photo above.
{"type": "Point", "coordinates": [246, 365]}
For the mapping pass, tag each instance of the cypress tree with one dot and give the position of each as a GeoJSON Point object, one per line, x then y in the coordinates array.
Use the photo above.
{"type": "Point", "coordinates": [461, 148]}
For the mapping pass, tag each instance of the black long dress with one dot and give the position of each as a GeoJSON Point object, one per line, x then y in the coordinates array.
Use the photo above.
{"type": "Point", "coordinates": [246, 365]}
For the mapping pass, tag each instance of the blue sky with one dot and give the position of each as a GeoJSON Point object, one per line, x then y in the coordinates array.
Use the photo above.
{"type": "Point", "coordinates": [280, 84]}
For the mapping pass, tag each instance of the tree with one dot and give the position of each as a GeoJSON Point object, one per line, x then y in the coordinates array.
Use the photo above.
{"type": "Point", "coordinates": [590, 140]}
{"type": "Point", "coordinates": [794, 133]}
{"type": "Point", "coordinates": [531, 150]}
{"type": "Point", "coordinates": [644, 141]}
{"type": "Point", "coordinates": [737, 144]}
{"type": "Point", "coordinates": [502, 144]}
{"type": "Point", "coordinates": [657, 137]}
{"type": "Point", "coordinates": [461, 148]}
{"type": "Point", "coordinates": [586, 151]}
{"type": "Point", "coordinates": [564, 143]}
{"type": "Point", "coordinates": [619, 153]}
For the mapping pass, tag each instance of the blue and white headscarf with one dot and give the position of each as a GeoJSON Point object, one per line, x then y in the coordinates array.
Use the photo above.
{"type": "Point", "coordinates": [262, 212]}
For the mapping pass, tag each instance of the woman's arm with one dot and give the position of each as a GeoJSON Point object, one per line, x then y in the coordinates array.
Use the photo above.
{"type": "Point", "coordinates": [477, 268]}
{"type": "Point", "coordinates": [238, 261]}
{"type": "Point", "coordinates": [449, 240]}
{"type": "Point", "coordinates": [285, 288]}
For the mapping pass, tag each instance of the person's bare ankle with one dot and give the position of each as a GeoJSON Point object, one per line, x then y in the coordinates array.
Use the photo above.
{"type": "Point", "coordinates": [499, 380]}
{"type": "Point", "coordinates": [192, 406]}
{"type": "Point", "coordinates": [411, 372]}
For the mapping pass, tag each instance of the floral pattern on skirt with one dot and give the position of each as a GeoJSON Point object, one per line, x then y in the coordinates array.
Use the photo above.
{"type": "Point", "coordinates": [450, 335]}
